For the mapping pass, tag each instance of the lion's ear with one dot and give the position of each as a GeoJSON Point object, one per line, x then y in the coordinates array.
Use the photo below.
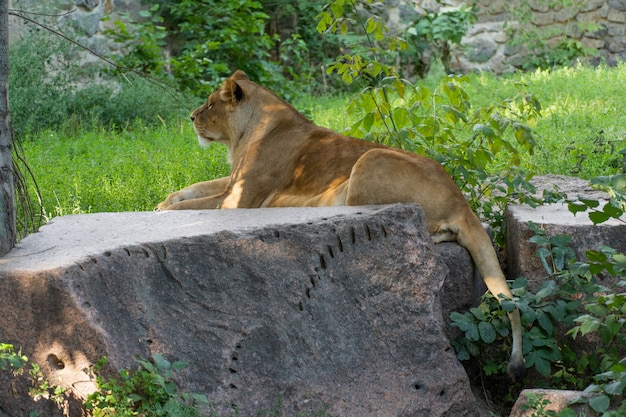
{"type": "Point", "coordinates": [239, 75]}
{"type": "Point", "coordinates": [231, 91]}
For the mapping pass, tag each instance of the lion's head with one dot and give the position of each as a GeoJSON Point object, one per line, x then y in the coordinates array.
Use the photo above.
{"type": "Point", "coordinates": [239, 111]}
{"type": "Point", "coordinates": [212, 120]}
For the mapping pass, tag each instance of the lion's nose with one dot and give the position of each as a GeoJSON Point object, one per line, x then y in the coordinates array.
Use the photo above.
{"type": "Point", "coordinates": [192, 117]}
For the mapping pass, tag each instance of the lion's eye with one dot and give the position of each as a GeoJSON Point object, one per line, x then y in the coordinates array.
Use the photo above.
{"type": "Point", "coordinates": [210, 106]}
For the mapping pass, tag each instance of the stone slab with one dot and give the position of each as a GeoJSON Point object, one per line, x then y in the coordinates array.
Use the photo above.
{"type": "Point", "coordinates": [65, 240]}
{"type": "Point", "coordinates": [552, 400]}
{"type": "Point", "coordinates": [555, 219]}
{"type": "Point", "coordinates": [333, 309]}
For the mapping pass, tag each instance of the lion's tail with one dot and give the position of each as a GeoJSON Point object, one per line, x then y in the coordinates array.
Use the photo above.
{"type": "Point", "coordinates": [474, 237]}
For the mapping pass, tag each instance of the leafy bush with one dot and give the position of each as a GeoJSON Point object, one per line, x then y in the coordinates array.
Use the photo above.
{"type": "Point", "coordinates": [16, 363]}
{"type": "Point", "coordinates": [437, 32]}
{"type": "Point", "coordinates": [180, 40]}
{"type": "Point", "coordinates": [573, 302]}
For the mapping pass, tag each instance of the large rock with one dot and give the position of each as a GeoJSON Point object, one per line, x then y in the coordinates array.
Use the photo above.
{"type": "Point", "coordinates": [555, 219]}
{"type": "Point", "coordinates": [533, 402]}
{"type": "Point", "coordinates": [332, 309]}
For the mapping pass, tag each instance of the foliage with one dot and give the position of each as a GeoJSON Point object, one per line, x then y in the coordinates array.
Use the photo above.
{"type": "Point", "coordinates": [546, 47]}
{"type": "Point", "coordinates": [16, 362]}
{"type": "Point", "coordinates": [437, 32]}
{"type": "Point", "coordinates": [148, 391]}
{"type": "Point", "coordinates": [147, 39]}
{"type": "Point", "coordinates": [10, 359]}
{"type": "Point", "coordinates": [180, 40]}
{"type": "Point", "coordinates": [47, 91]}
{"type": "Point", "coordinates": [440, 123]}
{"type": "Point", "coordinates": [575, 298]}
{"type": "Point", "coordinates": [615, 186]}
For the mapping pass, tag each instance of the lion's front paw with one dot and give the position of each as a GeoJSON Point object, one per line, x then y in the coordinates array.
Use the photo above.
{"type": "Point", "coordinates": [170, 201]}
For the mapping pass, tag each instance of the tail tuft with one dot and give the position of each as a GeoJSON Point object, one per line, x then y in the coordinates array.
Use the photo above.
{"type": "Point", "coordinates": [516, 368]}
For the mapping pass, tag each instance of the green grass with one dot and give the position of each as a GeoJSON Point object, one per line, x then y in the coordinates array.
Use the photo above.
{"type": "Point", "coordinates": [93, 169]}
{"type": "Point", "coordinates": [97, 170]}
{"type": "Point", "coordinates": [583, 124]}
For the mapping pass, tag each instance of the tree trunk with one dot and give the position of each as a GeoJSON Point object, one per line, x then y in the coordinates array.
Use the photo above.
{"type": "Point", "coordinates": [7, 187]}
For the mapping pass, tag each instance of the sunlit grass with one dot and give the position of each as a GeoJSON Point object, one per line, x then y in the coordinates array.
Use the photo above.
{"type": "Point", "coordinates": [100, 169]}
{"type": "Point", "coordinates": [583, 123]}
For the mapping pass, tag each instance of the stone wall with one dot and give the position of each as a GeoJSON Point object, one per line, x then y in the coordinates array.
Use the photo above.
{"type": "Point", "coordinates": [486, 42]}
{"type": "Point", "coordinates": [485, 47]}
{"type": "Point", "coordinates": [82, 20]}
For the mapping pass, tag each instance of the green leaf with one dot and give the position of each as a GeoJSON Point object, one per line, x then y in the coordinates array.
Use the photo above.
{"type": "Point", "coordinates": [598, 217]}
{"type": "Point", "coordinates": [612, 211]}
{"type": "Point", "coordinates": [600, 403]}
{"type": "Point", "coordinates": [614, 388]}
{"type": "Point", "coordinates": [574, 207]}
{"type": "Point", "coordinates": [478, 313]}
{"type": "Point", "coordinates": [595, 256]}
{"type": "Point", "coordinates": [561, 240]}
{"type": "Point", "coordinates": [589, 324]}
{"type": "Point", "coordinates": [539, 240]}
{"type": "Point", "coordinates": [487, 332]}
{"type": "Point", "coordinates": [589, 203]}
{"type": "Point", "coordinates": [596, 309]}
{"type": "Point", "coordinates": [545, 322]}
{"type": "Point", "coordinates": [508, 305]}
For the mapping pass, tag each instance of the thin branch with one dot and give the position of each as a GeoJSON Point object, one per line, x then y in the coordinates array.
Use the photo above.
{"type": "Point", "coordinates": [157, 82]}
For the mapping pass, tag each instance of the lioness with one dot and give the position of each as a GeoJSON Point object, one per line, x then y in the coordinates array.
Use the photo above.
{"type": "Point", "coordinates": [281, 159]}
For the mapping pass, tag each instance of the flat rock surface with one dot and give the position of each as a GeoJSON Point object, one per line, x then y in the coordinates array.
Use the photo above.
{"type": "Point", "coordinates": [66, 239]}
{"type": "Point", "coordinates": [320, 309]}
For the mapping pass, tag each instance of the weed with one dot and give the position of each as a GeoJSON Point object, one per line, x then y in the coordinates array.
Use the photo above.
{"type": "Point", "coordinates": [148, 391]}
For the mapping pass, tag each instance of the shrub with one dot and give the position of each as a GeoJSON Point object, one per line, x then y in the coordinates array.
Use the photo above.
{"type": "Point", "coordinates": [47, 92]}
{"type": "Point", "coordinates": [148, 391]}
{"type": "Point", "coordinates": [573, 297]}
{"type": "Point", "coordinates": [199, 50]}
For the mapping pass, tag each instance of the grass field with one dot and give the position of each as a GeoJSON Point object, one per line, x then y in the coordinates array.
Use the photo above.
{"type": "Point", "coordinates": [94, 169]}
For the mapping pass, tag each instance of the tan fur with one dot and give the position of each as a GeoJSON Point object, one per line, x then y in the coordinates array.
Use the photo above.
{"type": "Point", "coordinates": [280, 159]}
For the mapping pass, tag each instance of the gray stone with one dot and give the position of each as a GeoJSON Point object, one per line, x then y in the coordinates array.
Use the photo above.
{"type": "Point", "coordinates": [558, 400]}
{"type": "Point", "coordinates": [87, 5]}
{"type": "Point", "coordinates": [85, 24]}
{"type": "Point", "coordinates": [598, 34]}
{"type": "Point", "coordinates": [616, 16]}
{"type": "Point", "coordinates": [618, 4]}
{"type": "Point", "coordinates": [572, 187]}
{"type": "Point", "coordinates": [565, 14]}
{"type": "Point", "coordinates": [616, 30]}
{"type": "Point", "coordinates": [589, 5]}
{"type": "Point", "coordinates": [333, 309]}
{"type": "Point", "coordinates": [481, 49]}
{"type": "Point", "coordinates": [555, 219]}
{"type": "Point", "coordinates": [617, 45]}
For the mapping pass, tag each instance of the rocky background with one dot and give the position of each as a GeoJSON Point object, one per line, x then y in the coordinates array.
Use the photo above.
{"type": "Point", "coordinates": [486, 46]}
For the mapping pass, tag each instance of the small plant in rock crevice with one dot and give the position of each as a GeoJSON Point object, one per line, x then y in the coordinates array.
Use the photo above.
{"type": "Point", "coordinates": [147, 391]}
